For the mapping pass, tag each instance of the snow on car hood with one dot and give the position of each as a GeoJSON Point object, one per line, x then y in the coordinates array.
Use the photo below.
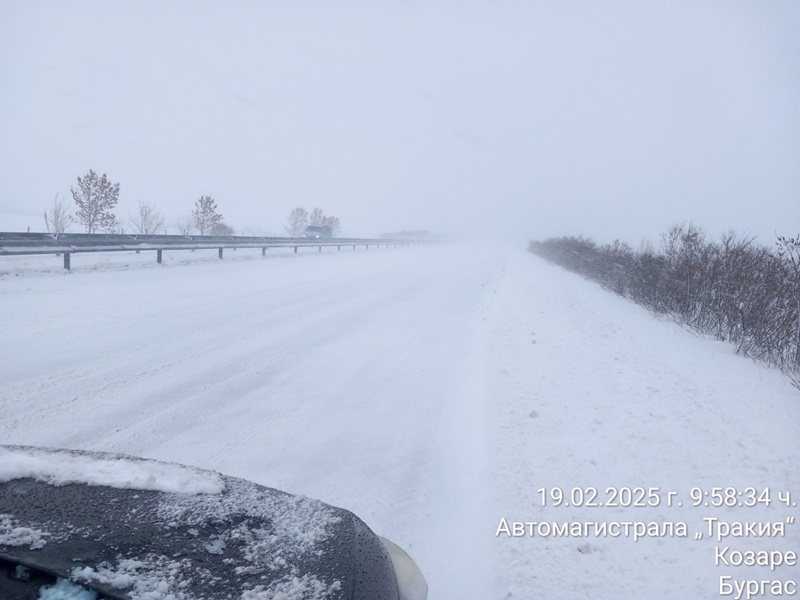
{"type": "Point", "coordinates": [87, 517]}
{"type": "Point", "coordinates": [59, 467]}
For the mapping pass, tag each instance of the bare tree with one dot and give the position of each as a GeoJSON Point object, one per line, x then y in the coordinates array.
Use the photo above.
{"type": "Point", "coordinates": [299, 219]}
{"type": "Point", "coordinates": [333, 223]}
{"type": "Point", "coordinates": [185, 224]}
{"type": "Point", "coordinates": [205, 214]}
{"type": "Point", "coordinates": [316, 217]}
{"type": "Point", "coordinates": [221, 229]}
{"type": "Point", "coordinates": [57, 217]}
{"type": "Point", "coordinates": [297, 222]}
{"type": "Point", "coordinates": [96, 197]}
{"type": "Point", "coordinates": [148, 220]}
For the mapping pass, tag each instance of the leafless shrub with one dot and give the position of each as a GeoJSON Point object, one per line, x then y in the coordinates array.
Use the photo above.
{"type": "Point", "coordinates": [148, 220]}
{"type": "Point", "coordinates": [185, 224]}
{"type": "Point", "coordinates": [733, 289]}
{"type": "Point", "coordinates": [221, 229]}
{"type": "Point", "coordinates": [57, 218]}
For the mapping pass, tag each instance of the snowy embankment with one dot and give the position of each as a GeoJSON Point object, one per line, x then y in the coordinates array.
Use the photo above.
{"type": "Point", "coordinates": [590, 390]}
{"type": "Point", "coordinates": [432, 391]}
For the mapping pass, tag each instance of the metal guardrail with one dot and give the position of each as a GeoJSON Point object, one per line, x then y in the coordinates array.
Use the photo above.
{"type": "Point", "coordinates": [66, 244]}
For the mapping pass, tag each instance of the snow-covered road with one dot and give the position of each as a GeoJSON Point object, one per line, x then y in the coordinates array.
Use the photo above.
{"type": "Point", "coordinates": [432, 391]}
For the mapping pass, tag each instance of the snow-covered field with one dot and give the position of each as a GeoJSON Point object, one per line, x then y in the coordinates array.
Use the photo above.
{"type": "Point", "coordinates": [433, 391]}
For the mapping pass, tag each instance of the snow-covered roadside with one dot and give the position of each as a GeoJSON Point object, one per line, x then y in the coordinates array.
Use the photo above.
{"type": "Point", "coordinates": [431, 391]}
{"type": "Point", "coordinates": [589, 390]}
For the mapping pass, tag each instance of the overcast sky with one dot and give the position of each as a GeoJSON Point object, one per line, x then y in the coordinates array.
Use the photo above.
{"type": "Point", "coordinates": [521, 119]}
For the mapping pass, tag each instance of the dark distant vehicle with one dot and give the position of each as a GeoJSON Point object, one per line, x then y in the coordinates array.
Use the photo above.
{"type": "Point", "coordinates": [318, 232]}
{"type": "Point", "coordinates": [98, 526]}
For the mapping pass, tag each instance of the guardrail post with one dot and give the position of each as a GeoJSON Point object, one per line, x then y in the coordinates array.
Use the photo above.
{"type": "Point", "coordinates": [66, 261]}
{"type": "Point", "coordinates": [220, 252]}
{"type": "Point", "coordinates": [339, 248]}
{"type": "Point", "coordinates": [295, 249]}
{"type": "Point", "coordinates": [354, 246]}
{"type": "Point", "coordinates": [320, 249]}
{"type": "Point", "coordinates": [158, 256]}
{"type": "Point", "coordinates": [263, 252]}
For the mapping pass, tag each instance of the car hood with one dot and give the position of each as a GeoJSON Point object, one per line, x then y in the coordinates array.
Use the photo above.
{"type": "Point", "coordinates": [222, 537]}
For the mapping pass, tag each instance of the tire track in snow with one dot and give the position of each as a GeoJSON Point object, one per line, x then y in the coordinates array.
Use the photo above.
{"type": "Point", "coordinates": [352, 380]}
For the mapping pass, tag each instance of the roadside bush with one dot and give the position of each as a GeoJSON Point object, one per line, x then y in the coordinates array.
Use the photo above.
{"type": "Point", "coordinates": [734, 289]}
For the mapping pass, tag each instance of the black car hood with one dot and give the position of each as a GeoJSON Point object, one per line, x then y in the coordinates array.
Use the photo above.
{"type": "Point", "coordinates": [245, 542]}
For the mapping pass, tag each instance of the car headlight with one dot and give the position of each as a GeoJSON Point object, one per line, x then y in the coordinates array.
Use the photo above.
{"type": "Point", "coordinates": [411, 582]}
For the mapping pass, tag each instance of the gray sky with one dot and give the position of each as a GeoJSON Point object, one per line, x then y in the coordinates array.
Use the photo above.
{"type": "Point", "coordinates": [519, 119]}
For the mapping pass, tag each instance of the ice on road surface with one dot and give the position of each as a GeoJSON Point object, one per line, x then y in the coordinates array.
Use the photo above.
{"type": "Point", "coordinates": [433, 391]}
